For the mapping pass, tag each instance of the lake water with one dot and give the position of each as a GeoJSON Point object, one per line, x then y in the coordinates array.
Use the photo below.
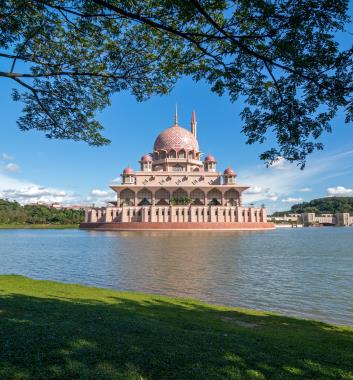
{"type": "Point", "coordinates": [306, 272]}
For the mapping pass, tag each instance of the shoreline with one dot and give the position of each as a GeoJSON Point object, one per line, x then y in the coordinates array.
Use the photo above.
{"type": "Point", "coordinates": [38, 226]}
{"type": "Point", "coordinates": [57, 330]}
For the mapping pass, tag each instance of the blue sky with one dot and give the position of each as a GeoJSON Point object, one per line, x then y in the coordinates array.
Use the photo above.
{"type": "Point", "coordinates": [33, 168]}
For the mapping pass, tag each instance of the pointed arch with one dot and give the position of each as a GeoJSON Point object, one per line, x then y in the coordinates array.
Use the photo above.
{"type": "Point", "coordinates": [232, 197]}
{"type": "Point", "coordinates": [127, 197]}
{"type": "Point", "coordinates": [162, 197]}
{"type": "Point", "coordinates": [172, 154]}
{"type": "Point", "coordinates": [180, 192]}
{"type": "Point", "coordinates": [180, 197]}
{"type": "Point", "coordinates": [182, 153]}
{"type": "Point", "coordinates": [214, 197]}
{"type": "Point", "coordinates": [144, 197]}
{"type": "Point", "coordinates": [198, 197]}
{"type": "Point", "coordinates": [178, 168]}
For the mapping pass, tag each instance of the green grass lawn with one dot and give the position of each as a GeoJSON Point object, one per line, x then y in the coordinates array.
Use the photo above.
{"type": "Point", "coordinates": [37, 226]}
{"type": "Point", "coordinates": [50, 330]}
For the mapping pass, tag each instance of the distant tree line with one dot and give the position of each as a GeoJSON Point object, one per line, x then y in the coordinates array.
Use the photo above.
{"type": "Point", "coordinates": [329, 205]}
{"type": "Point", "coordinates": [14, 213]}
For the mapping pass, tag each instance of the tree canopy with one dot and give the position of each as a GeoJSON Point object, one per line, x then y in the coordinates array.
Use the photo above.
{"type": "Point", "coordinates": [329, 205]}
{"type": "Point", "coordinates": [281, 57]}
{"type": "Point", "coordinates": [14, 213]}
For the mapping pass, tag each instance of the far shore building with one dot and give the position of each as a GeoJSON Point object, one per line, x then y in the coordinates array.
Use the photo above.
{"type": "Point", "coordinates": [177, 188]}
{"type": "Point", "coordinates": [340, 219]}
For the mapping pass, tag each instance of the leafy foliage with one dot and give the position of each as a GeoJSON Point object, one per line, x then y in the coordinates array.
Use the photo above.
{"type": "Point", "coordinates": [282, 57]}
{"type": "Point", "coordinates": [329, 205]}
{"type": "Point", "coordinates": [14, 213]}
{"type": "Point", "coordinates": [180, 201]}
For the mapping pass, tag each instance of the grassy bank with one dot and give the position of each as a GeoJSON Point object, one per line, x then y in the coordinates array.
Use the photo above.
{"type": "Point", "coordinates": [37, 226]}
{"type": "Point", "coordinates": [50, 330]}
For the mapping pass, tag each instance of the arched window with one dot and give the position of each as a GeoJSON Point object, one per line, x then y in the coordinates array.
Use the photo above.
{"type": "Point", "coordinates": [232, 197]}
{"type": "Point", "coordinates": [144, 197]}
{"type": "Point", "coordinates": [191, 155]}
{"type": "Point", "coordinates": [162, 197]}
{"type": "Point", "coordinates": [156, 155]}
{"type": "Point", "coordinates": [198, 197]}
{"type": "Point", "coordinates": [182, 154]}
{"type": "Point", "coordinates": [127, 197]}
{"type": "Point", "coordinates": [180, 197]}
{"type": "Point", "coordinates": [179, 193]}
{"type": "Point", "coordinates": [177, 168]}
{"type": "Point", "coordinates": [172, 154]}
{"type": "Point", "coordinates": [214, 197]}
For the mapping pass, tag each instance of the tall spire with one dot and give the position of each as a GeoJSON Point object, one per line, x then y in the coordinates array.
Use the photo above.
{"type": "Point", "coordinates": [193, 123]}
{"type": "Point", "coordinates": [176, 116]}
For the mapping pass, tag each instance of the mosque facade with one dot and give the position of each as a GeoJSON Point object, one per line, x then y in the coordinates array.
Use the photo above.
{"type": "Point", "coordinates": [176, 188]}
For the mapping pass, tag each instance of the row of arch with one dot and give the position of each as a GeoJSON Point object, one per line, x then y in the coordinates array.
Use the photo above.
{"type": "Point", "coordinates": [162, 154]}
{"type": "Point", "coordinates": [162, 197]}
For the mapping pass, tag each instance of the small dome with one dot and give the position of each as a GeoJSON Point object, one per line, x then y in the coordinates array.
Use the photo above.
{"type": "Point", "coordinates": [128, 170]}
{"type": "Point", "coordinates": [229, 171]}
{"type": "Point", "coordinates": [146, 158]}
{"type": "Point", "coordinates": [176, 138]}
{"type": "Point", "coordinates": [210, 158]}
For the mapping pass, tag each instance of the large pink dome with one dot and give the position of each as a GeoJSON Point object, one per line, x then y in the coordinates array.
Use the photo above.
{"type": "Point", "coordinates": [176, 138]}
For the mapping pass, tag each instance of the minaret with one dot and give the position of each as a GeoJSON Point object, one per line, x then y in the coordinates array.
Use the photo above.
{"type": "Point", "coordinates": [193, 123]}
{"type": "Point", "coordinates": [176, 116]}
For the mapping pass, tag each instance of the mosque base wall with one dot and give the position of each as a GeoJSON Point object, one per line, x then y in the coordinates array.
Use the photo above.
{"type": "Point", "coordinates": [187, 226]}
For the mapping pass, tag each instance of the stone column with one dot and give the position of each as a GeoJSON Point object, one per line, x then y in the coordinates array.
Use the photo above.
{"type": "Point", "coordinates": [124, 215]}
{"type": "Point", "coordinates": [135, 198]}
{"type": "Point", "coordinates": [213, 217]}
{"type": "Point", "coordinates": [87, 214]}
{"type": "Point", "coordinates": [252, 215]}
{"type": "Point", "coordinates": [93, 215]}
{"type": "Point", "coordinates": [108, 215]}
{"type": "Point", "coordinates": [117, 199]}
{"type": "Point", "coordinates": [172, 214]}
{"type": "Point", "coordinates": [240, 214]}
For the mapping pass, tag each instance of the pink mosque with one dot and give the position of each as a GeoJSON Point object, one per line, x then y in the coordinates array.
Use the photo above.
{"type": "Point", "coordinates": [177, 189]}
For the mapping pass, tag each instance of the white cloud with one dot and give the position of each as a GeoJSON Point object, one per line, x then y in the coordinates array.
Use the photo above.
{"type": "Point", "coordinates": [279, 164]}
{"type": "Point", "coordinates": [281, 180]}
{"type": "Point", "coordinates": [292, 200]}
{"type": "Point", "coordinates": [116, 180]}
{"type": "Point", "coordinates": [100, 197]}
{"type": "Point", "coordinates": [99, 193]}
{"type": "Point", "coordinates": [255, 190]}
{"type": "Point", "coordinates": [11, 167]}
{"type": "Point", "coordinates": [27, 192]}
{"type": "Point", "coordinates": [339, 191]}
{"type": "Point", "coordinates": [272, 197]}
{"type": "Point", "coordinates": [34, 193]}
{"type": "Point", "coordinates": [305, 190]}
{"type": "Point", "coordinates": [7, 157]}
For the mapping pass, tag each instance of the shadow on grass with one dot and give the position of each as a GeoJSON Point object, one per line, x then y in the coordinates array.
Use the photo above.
{"type": "Point", "coordinates": [58, 338]}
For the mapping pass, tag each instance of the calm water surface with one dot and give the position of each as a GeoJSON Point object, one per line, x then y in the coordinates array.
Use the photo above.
{"type": "Point", "coordinates": [304, 272]}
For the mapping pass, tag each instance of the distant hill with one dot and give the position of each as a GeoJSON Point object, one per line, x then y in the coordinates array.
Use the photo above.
{"type": "Point", "coordinates": [14, 213]}
{"type": "Point", "coordinates": [329, 205]}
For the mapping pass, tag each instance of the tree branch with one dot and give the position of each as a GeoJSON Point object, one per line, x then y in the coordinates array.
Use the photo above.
{"type": "Point", "coordinates": [35, 94]}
